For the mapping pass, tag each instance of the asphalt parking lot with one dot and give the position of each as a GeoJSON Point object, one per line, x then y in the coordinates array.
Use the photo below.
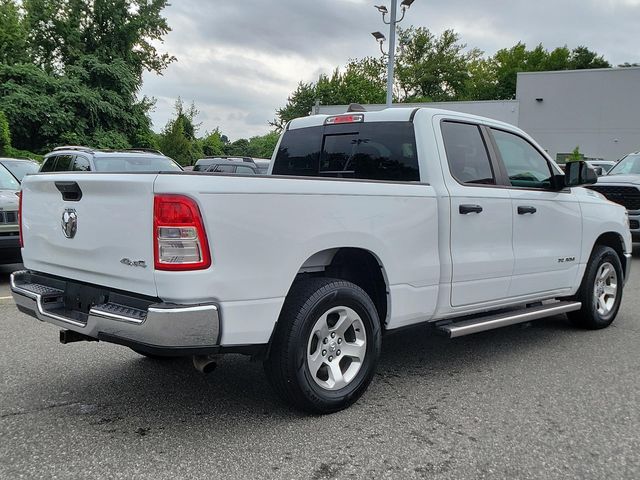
{"type": "Point", "coordinates": [537, 401]}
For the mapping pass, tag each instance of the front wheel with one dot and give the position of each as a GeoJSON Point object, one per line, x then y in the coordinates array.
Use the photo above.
{"type": "Point", "coordinates": [326, 345]}
{"type": "Point", "coordinates": [600, 291]}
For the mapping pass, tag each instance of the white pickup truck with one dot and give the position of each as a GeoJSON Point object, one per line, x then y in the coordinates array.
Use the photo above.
{"type": "Point", "coordinates": [367, 222]}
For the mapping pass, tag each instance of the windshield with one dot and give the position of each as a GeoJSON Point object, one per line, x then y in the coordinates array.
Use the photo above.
{"type": "Point", "coordinates": [8, 181]}
{"type": "Point", "coordinates": [136, 164]}
{"type": "Point", "coordinates": [628, 165]}
{"type": "Point", "coordinates": [20, 168]}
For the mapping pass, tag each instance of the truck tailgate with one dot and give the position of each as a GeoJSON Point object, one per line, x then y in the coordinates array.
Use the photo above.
{"type": "Point", "coordinates": [112, 243]}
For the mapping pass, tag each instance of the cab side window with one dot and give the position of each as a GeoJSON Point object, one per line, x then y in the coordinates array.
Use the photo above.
{"type": "Point", "coordinates": [467, 154]}
{"type": "Point", "coordinates": [81, 164]}
{"type": "Point", "coordinates": [245, 170]}
{"type": "Point", "coordinates": [64, 163]}
{"type": "Point", "coordinates": [49, 164]}
{"type": "Point", "coordinates": [226, 169]}
{"type": "Point", "coordinates": [525, 165]}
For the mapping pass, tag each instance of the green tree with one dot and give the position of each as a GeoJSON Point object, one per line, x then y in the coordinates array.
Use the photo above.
{"type": "Point", "coordinates": [5, 135]}
{"type": "Point", "coordinates": [263, 146]}
{"type": "Point", "coordinates": [239, 148]}
{"type": "Point", "coordinates": [575, 156]}
{"type": "Point", "coordinates": [429, 67]}
{"type": "Point", "coordinates": [583, 58]}
{"type": "Point", "coordinates": [482, 82]}
{"type": "Point", "coordinates": [13, 34]}
{"type": "Point", "coordinates": [178, 139]}
{"type": "Point", "coordinates": [81, 70]}
{"type": "Point", "coordinates": [212, 144]}
{"type": "Point", "coordinates": [361, 81]}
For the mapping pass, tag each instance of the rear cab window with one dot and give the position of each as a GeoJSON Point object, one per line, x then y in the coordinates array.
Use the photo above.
{"type": "Point", "coordinates": [367, 151]}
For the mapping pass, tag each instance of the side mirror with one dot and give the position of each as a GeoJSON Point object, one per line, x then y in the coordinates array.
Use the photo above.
{"type": "Point", "coordinates": [579, 173]}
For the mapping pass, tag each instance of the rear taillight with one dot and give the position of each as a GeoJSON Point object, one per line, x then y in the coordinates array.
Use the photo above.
{"type": "Point", "coordinates": [20, 218]}
{"type": "Point", "coordinates": [180, 241]}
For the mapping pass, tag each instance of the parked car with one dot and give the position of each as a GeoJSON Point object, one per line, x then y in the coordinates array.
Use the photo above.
{"type": "Point", "coordinates": [20, 167]}
{"type": "Point", "coordinates": [622, 185]}
{"type": "Point", "coordinates": [263, 165]}
{"type": "Point", "coordinates": [232, 166]}
{"type": "Point", "coordinates": [370, 222]}
{"type": "Point", "coordinates": [86, 159]}
{"type": "Point", "coordinates": [601, 167]}
{"type": "Point", "coordinates": [203, 164]}
{"type": "Point", "coordinates": [9, 226]}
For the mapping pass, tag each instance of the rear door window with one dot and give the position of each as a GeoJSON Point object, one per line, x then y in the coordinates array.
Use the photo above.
{"type": "Point", "coordinates": [369, 151]}
{"type": "Point", "coordinates": [81, 164]}
{"type": "Point", "coordinates": [245, 170]}
{"type": "Point", "coordinates": [467, 154]}
{"type": "Point", "coordinates": [225, 169]}
{"type": "Point", "coordinates": [64, 163]}
{"type": "Point", "coordinates": [49, 164]}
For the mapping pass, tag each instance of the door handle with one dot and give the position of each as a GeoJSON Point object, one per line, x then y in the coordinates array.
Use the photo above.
{"type": "Point", "coordinates": [526, 210]}
{"type": "Point", "coordinates": [467, 209]}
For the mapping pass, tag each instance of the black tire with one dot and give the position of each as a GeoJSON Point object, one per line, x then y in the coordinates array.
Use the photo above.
{"type": "Point", "coordinates": [588, 317]}
{"type": "Point", "coordinates": [287, 367]}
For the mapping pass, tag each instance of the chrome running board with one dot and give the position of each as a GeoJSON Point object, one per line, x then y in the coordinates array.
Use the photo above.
{"type": "Point", "coordinates": [481, 324]}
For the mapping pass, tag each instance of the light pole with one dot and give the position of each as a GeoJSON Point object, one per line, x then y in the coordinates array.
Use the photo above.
{"type": "Point", "coordinates": [380, 38]}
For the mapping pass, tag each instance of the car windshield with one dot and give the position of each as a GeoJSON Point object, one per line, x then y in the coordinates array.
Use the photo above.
{"type": "Point", "coordinates": [8, 181]}
{"type": "Point", "coordinates": [21, 168]}
{"type": "Point", "coordinates": [135, 164]}
{"type": "Point", "coordinates": [628, 165]}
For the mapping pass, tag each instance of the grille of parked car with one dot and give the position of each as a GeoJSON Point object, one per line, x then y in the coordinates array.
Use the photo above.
{"type": "Point", "coordinates": [8, 217]}
{"type": "Point", "coordinates": [629, 197]}
{"type": "Point", "coordinates": [634, 224]}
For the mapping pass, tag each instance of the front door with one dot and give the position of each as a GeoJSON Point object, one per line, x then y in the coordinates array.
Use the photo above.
{"type": "Point", "coordinates": [481, 220]}
{"type": "Point", "coordinates": [547, 223]}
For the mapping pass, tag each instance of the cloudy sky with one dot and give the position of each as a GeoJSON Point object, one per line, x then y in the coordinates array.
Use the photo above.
{"type": "Point", "coordinates": [239, 60]}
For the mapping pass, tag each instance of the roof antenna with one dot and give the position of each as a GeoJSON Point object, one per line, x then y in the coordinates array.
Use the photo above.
{"type": "Point", "coordinates": [356, 107]}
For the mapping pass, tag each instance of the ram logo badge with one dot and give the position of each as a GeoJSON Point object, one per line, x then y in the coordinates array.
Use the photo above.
{"type": "Point", "coordinates": [69, 222]}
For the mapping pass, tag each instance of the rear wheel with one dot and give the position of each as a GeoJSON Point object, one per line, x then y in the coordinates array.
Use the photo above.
{"type": "Point", "coordinates": [326, 345]}
{"type": "Point", "coordinates": [600, 291]}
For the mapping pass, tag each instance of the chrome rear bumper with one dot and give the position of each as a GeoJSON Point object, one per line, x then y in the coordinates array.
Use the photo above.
{"type": "Point", "coordinates": [159, 326]}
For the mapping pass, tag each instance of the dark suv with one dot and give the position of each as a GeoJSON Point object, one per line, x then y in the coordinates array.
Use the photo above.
{"type": "Point", "coordinates": [85, 159]}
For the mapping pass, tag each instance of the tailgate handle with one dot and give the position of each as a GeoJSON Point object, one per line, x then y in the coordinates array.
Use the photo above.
{"type": "Point", "coordinates": [70, 191]}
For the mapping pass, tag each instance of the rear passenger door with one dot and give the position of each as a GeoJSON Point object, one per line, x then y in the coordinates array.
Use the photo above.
{"type": "Point", "coordinates": [481, 219]}
{"type": "Point", "coordinates": [547, 222]}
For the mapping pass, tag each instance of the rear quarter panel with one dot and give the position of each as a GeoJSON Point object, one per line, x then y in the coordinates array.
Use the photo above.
{"type": "Point", "coordinates": [261, 230]}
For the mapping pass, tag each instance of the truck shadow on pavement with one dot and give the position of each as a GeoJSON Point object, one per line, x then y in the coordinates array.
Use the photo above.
{"type": "Point", "coordinates": [121, 392]}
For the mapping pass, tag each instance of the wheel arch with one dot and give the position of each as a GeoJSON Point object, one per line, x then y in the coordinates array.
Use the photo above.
{"type": "Point", "coordinates": [615, 241]}
{"type": "Point", "coordinates": [357, 265]}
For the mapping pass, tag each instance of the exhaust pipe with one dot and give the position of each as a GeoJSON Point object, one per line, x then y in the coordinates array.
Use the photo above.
{"type": "Point", "coordinates": [205, 363]}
